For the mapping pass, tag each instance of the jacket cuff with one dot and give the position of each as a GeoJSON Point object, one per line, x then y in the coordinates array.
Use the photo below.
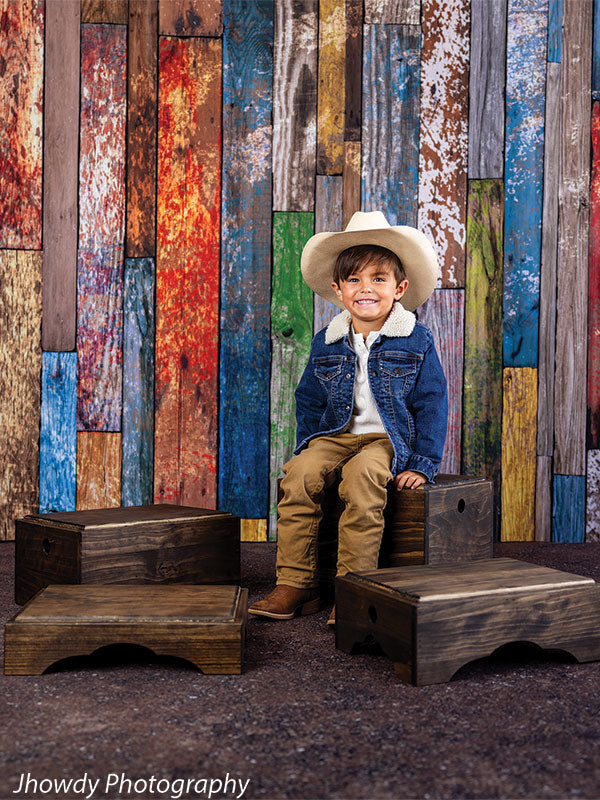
{"type": "Point", "coordinates": [422, 464]}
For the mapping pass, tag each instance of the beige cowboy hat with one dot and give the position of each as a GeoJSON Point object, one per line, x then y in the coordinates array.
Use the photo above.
{"type": "Point", "coordinates": [371, 227]}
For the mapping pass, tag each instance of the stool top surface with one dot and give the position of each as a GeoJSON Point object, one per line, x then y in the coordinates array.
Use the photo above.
{"type": "Point", "coordinates": [494, 576]}
{"type": "Point", "coordinates": [133, 604]}
{"type": "Point", "coordinates": [125, 515]}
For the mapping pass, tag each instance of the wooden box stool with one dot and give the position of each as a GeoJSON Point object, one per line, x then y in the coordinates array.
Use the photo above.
{"type": "Point", "coordinates": [431, 620]}
{"type": "Point", "coordinates": [136, 544]}
{"type": "Point", "coordinates": [203, 624]}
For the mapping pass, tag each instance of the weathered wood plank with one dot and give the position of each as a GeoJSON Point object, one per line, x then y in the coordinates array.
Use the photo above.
{"type": "Point", "coordinates": [390, 125]}
{"type": "Point", "coordinates": [444, 134]}
{"type": "Point", "coordinates": [395, 12]}
{"type": "Point", "coordinates": [486, 89]}
{"type": "Point", "coordinates": [328, 217]}
{"type": "Point", "coordinates": [58, 432]}
{"type": "Point", "coordinates": [568, 513]}
{"type": "Point", "coordinates": [61, 153]}
{"type": "Point", "coordinates": [331, 88]}
{"type": "Point", "coordinates": [190, 17]}
{"type": "Point", "coordinates": [97, 11]}
{"type": "Point", "coordinates": [21, 99]}
{"type": "Point", "coordinates": [294, 105]}
{"type": "Point", "coordinates": [592, 528]}
{"type": "Point", "coordinates": [573, 237]}
{"type": "Point", "coordinates": [141, 129]}
{"type": "Point", "coordinates": [253, 530]}
{"type": "Point", "coordinates": [593, 379]}
{"type": "Point", "coordinates": [555, 13]}
{"type": "Point", "coordinates": [525, 85]}
{"type": "Point", "coordinates": [291, 336]}
{"type": "Point", "coordinates": [518, 454]}
{"type": "Point", "coordinates": [596, 53]}
{"type": "Point", "coordinates": [444, 314]}
{"type": "Point", "coordinates": [547, 329]}
{"type": "Point", "coordinates": [351, 181]}
{"type": "Point", "coordinates": [138, 382]}
{"type": "Point", "coordinates": [543, 499]}
{"type": "Point", "coordinates": [20, 368]}
{"type": "Point", "coordinates": [353, 71]}
{"type": "Point", "coordinates": [187, 279]}
{"type": "Point", "coordinates": [101, 227]}
{"type": "Point", "coordinates": [482, 412]}
{"type": "Point", "coordinates": [246, 259]}
{"type": "Point", "coordinates": [98, 470]}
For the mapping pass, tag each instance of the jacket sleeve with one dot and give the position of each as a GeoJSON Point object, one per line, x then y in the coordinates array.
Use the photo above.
{"type": "Point", "coordinates": [428, 403]}
{"type": "Point", "coordinates": [311, 401]}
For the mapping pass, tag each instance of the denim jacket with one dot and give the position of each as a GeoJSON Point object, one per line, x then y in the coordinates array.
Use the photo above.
{"type": "Point", "coordinates": [406, 379]}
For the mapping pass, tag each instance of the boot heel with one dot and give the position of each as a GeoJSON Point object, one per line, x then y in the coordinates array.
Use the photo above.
{"type": "Point", "coordinates": [311, 607]}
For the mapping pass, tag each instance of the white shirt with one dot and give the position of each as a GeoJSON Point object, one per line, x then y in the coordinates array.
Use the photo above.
{"type": "Point", "coordinates": [365, 417]}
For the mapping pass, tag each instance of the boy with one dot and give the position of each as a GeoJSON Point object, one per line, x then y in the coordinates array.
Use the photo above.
{"type": "Point", "coordinates": [371, 406]}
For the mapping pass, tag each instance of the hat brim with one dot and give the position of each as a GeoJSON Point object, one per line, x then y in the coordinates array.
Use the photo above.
{"type": "Point", "coordinates": [410, 245]}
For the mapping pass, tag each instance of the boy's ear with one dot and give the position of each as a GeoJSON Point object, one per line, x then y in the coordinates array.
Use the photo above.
{"type": "Point", "coordinates": [336, 289]}
{"type": "Point", "coordinates": [400, 289]}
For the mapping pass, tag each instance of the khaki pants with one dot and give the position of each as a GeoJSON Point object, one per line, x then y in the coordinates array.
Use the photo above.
{"type": "Point", "coordinates": [363, 461]}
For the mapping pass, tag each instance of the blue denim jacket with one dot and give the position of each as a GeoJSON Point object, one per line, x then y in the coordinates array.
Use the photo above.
{"type": "Point", "coordinates": [406, 379]}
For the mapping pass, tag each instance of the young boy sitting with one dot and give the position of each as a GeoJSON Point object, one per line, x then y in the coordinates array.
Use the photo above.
{"type": "Point", "coordinates": [371, 406]}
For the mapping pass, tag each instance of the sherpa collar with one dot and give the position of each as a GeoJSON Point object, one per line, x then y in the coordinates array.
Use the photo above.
{"type": "Point", "coordinates": [400, 322]}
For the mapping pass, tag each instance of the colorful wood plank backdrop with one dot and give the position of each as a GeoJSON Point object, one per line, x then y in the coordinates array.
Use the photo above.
{"type": "Point", "coordinates": [153, 320]}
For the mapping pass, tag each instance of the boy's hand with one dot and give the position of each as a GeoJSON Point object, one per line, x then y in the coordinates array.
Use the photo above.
{"type": "Point", "coordinates": [409, 480]}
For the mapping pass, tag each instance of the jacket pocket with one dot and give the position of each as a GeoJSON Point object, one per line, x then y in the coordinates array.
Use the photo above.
{"type": "Point", "coordinates": [326, 368]}
{"type": "Point", "coordinates": [398, 365]}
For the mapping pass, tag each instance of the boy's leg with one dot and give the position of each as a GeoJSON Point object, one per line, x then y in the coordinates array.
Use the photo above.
{"type": "Point", "coordinates": [363, 489]}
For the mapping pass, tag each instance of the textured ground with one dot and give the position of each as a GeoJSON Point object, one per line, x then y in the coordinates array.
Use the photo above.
{"type": "Point", "coordinates": [307, 721]}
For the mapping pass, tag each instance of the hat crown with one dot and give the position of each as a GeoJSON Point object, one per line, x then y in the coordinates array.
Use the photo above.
{"type": "Point", "coordinates": [367, 221]}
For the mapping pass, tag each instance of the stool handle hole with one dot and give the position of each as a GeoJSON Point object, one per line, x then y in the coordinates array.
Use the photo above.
{"type": "Point", "coordinates": [461, 506]}
{"type": "Point", "coordinates": [372, 614]}
{"type": "Point", "coordinates": [47, 546]}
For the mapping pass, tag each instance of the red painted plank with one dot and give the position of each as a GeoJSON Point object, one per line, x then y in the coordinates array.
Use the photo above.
{"type": "Point", "coordinates": [187, 281]}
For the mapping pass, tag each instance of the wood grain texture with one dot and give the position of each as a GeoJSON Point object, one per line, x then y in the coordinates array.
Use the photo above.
{"type": "Point", "coordinates": [331, 86]}
{"type": "Point", "coordinates": [353, 71]}
{"type": "Point", "coordinates": [568, 508]}
{"type": "Point", "coordinates": [21, 100]}
{"type": "Point", "coordinates": [518, 454]}
{"type": "Point", "coordinates": [20, 371]}
{"type": "Point", "coordinates": [98, 470]}
{"type": "Point", "coordinates": [390, 125]}
{"type": "Point", "coordinates": [482, 392]}
{"type": "Point", "coordinates": [58, 432]}
{"type": "Point", "coordinates": [190, 17]}
{"type": "Point", "coordinates": [555, 14]}
{"type": "Point", "coordinates": [253, 530]}
{"type": "Point", "coordinates": [114, 11]}
{"type": "Point", "coordinates": [294, 105]}
{"type": "Point", "coordinates": [444, 134]}
{"type": "Point", "coordinates": [141, 129]}
{"type": "Point", "coordinates": [543, 499]}
{"type": "Point", "coordinates": [187, 280]}
{"type": "Point", "coordinates": [138, 382]}
{"type": "Point", "coordinates": [573, 238]}
{"type": "Point", "coordinates": [592, 499]}
{"type": "Point", "coordinates": [596, 53]}
{"type": "Point", "coordinates": [524, 151]}
{"type": "Point", "coordinates": [101, 227]}
{"type": "Point", "coordinates": [291, 335]}
{"type": "Point", "coordinates": [444, 314]}
{"type": "Point", "coordinates": [394, 12]}
{"type": "Point", "coordinates": [246, 259]}
{"type": "Point", "coordinates": [486, 88]}
{"type": "Point", "coordinates": [593, 354]}
{"type": "Point", "coordinates": [547, 329]}
{"type": "Point", "coordinates": [351, 181]}
{"type": "Point", "coordinates": [328, 217]}
{"type": "Point", "coordinates": [61, 152]}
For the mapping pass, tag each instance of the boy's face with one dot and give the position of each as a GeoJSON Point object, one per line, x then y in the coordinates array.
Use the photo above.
{"type": "Point", "coordinates": [368, 294]}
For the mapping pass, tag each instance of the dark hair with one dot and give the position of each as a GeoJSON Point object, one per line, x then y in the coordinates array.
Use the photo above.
{"type": "Point", "coordinates": [355, 259]}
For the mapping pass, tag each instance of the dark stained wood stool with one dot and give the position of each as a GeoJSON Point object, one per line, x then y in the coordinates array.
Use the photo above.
{"type": "Point", "coordinates": [202, 624]}
{"type": "Point", "coordinates": [431, 620]}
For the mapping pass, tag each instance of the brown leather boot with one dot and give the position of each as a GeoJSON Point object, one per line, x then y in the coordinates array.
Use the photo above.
{"type": "Point", "coordinates": [331, 620]}
{"type": "Point", "coordinates": [285, 601]}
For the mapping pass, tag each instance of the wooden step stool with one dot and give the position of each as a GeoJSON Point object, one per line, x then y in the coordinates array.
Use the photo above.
{"type": "Point", "coordinates": [203, 624]}
{"type": "Point", "coordinates": [431, 620]}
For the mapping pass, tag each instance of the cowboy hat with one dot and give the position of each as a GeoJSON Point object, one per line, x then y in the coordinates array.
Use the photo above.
{"type": "Point", "coordinates": [371, 227]}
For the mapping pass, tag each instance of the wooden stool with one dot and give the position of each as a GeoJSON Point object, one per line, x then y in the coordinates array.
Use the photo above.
{"type": "Point", "coordinates": [431, 620]}
{"type": "Point", "coordinates": [203, 624]}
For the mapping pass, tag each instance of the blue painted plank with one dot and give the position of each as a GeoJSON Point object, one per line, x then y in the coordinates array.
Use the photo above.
{"type": "Point", "coordinates": [568, 508]}
{"type": "Point", "coordinates": [555, 18]}
{"type": "Point", "coordinates": [524, 168]}
{"type": "Point", "coordinates": [246, 258]}
{"type": "Point", "coordinates": [58, 434]}
{"type": "Point", "coordinates": [390, 126]}
{"type": "Point", "coordinates": [138, 382]}
{"type": "Point", "coordinates": [328, 217]}
{"type": "Point", "coordinates": [596, 53]}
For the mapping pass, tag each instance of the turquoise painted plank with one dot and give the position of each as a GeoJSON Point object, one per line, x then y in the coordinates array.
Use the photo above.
{"type": "Point", "coordinates": [596, 53]}
{"type": "Point", "coordinates": [524, 173]}
{"type": "Point", "coordinates": [555, 17]}
{"type": "Point", "coordinates": [390, 125]}
{"type": "Point", "coordinates": [568, 508]}
{"type": "Point", "coordinates": [58, 433]}
{"type": "Point", "coordinates": [246, 258]}
{"type": "Point", "coordinates": [328, 217]}
{"type": "Point", "coordinates": [138, 382]}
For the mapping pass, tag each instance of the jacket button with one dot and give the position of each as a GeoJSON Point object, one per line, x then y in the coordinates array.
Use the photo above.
{"type": "Point", "coordinates": [348, 375]}
{"type": "Point", "coordinates": [374, 373]}
{"type": "Point", "coordinates": [347, 408]}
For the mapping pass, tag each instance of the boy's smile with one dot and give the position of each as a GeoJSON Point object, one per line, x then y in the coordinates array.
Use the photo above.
{"type": "Point", "coordinates": [369, 294]}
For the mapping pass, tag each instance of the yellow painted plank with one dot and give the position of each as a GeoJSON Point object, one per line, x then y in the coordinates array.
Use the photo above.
{"type": "Point", "coordinates": [331, 80]}
{"type": "Point", "coordinates": [253, 530]}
